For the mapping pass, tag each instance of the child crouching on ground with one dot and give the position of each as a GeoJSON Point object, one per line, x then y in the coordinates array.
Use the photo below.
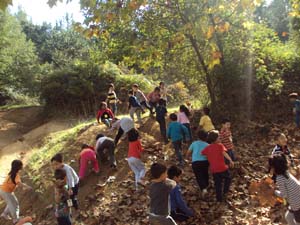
{"type": "Point", "coordinates": [134, 157]}
{"type": "Point", "coordinates": [215, 154]}
{"type": "Point", "coordinates": [87, 155]}
{"type": "Point", "coordinates": [159, 193]}
{"type": "Point", "coordinates": [105, 114]}
{"type": "Point", "coordinates": [62, 207]}
{"type": "Point", "coordinates": [177, 132]}
{"type": "Point", "coordinates": [179, 209]}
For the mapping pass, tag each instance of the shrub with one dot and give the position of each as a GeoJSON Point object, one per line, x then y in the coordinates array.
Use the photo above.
{"type": "Point", "coordinates": [178, 93]}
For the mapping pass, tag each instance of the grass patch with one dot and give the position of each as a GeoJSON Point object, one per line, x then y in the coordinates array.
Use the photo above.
{"type": "Point", "coordinates": [17, 106]}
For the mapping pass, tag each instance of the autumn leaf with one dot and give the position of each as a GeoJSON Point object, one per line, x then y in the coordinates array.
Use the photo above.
{"type": "Point", "coordinates": [210, 32]}
{"type": "Point", "coordinates": [133, 5]}
{"type": "Point", "coordinates": [284, 34]}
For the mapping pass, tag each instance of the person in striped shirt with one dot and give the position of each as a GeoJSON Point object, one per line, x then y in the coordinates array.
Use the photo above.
{"type": "Point", "coordinates": [112, 99]}
{"type": "Point", "coordinates": [226, 138]}
{"type": "Point", "coordinates": [288, 188]}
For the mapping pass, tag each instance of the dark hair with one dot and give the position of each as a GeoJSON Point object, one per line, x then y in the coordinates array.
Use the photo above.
{"type": "Point", "coordinates": [16, 166]}
{"type": "Point", "coordinates": [130, 92]}
{"type": "Point", "coordinates": [57, 158]}
{"type": "Point", "coordinates": [99, 136]}
{"type": "Point", "coordinates": [135, 85]}
{"type": "Point", "coordinates": [280, 164]}
{"type": "Point", "coordinates": [202, 135]}
{"type": "Point", "coordinates": [173, 117]}
{"type": "Point", "coordinates": [83, 146]}
{"type": "Point", "coordinates": [157, 89]}
{"type": "Point", "coordinates": [161, 102]}
{"type": "Point", "coordinates": [59, 174]}
{"type": "Point", "coordinates": [160, 83]}
{"type": "Point", "coordinates": [212, 136]}
{"type": "Point", "coordinates": [174, 171]}
{"type": "Point", "coordinates": [133, 135]}
{"type": "Point", "coordinates": [184, 109]}
{"type": "Point", "coordinates": [225, 120]}
{"type": "Point", "coordinates": [103, 104]}
{"type": "Point", "coordinates": [206, 110]}
{"type": "Point", "coordinates": [157, 169]}
{"type": "Point", "coordinates": [111, 85]}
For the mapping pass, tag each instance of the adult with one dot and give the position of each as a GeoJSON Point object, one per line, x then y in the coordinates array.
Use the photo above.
{"type": "Point", "coordinates": [106, 146]}
{"type": "Point", "coordinates": [112, 99]}
{"type": "Point", "coordinates": [123, 125]}
{"type": "Point", "coordinates": [154, 97]}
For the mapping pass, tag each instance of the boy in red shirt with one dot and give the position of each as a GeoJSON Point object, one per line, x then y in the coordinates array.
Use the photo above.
{"type": "Point", "coordinates": [226, 138]}
{"type": "Point", "coordinates": [215, 154]}
{"type": "Point", "coordinates": [105, 114]}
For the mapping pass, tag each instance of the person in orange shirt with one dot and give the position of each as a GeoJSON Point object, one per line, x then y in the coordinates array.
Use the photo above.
{"type": "Point", "coordinates": [7, 189]}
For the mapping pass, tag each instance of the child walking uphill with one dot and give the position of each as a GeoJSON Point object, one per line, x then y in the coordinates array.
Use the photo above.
{"type": "Point", "coordinates": [7, 189]}
{"type": "Point", "coordinates": [161, 113]}
{"type": "Point", "coordinates": [62, 209]}
{"type": "Point", "coordinates": [153, 97]}
{"type": "Point", "coordinates": [179, 209]}
{"type": "Point", "coordinates": [289, 188]}
{"type": "Point", "coordinates": [134, 107]}
{"type": "Point", "coordinates": [123, 125]}
{"type": "Point", "coordinates": [140, 96]}
{"type": "Point", "coordinates": [159, 193]}
{"type": "Point", "coordinates": [112, 99]}
{"type": "Point", "coordinates": [87, 155]}
{"type": "Point", "coordinates": [134, 157]}
{"type": "Point", "coordinates": [177, 132]}
{"type": "Point", "coordinates": [199, 162]}
{"type": "Point", "coordinates": [215, 154]}
{"type": "Point", "coordinates": [226, 138]}
{"type": "Point", "coordinates": [72, 178]}
{"type": "Point", "coordinates": [205, 121]}
{"type": "Point", "coordinates": [183, 118]}
{"type": "Point", "coordinates": [106, 146]}
{"type": "Point", "coordinates": [105, 114]}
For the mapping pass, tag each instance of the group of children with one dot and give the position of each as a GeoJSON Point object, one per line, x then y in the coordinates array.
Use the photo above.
{"type": "Point", "coordinates": [212, 150]}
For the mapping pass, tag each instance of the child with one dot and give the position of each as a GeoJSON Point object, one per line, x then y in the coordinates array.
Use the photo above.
{"type": "Point", "coordinates": [87, 155]}
{"type": "Point", "coordinates": [7, 189]}
{"type": "Point", "coordinates": [199, 162]}
{"type": "Point", "coordinates": [112, 99]}
{"type": "Point", "coordinates": [123, 125]}
{"type": "Point", "coordinates": [215, 154]}
{"type": "Point", "coordinates": [105, 114]}
{"type": "Point", "coordinates": [134, 107]}
{"type": "Point", "coordinates": [226, 138]}
{"type": "Point", "coordinates": [62, 209]}
{"type": "Point", "coordinates": [163, 92]}
{"type": "Point", "coordinates": [177, 132]}
{"type": "Point", "coordinates": [205, 121]}
{"type": "Point", "coordinates": [72, 178]}
{"type": "Point", "coordinates": [106, 145]}
{"type": "Point", "coordinates": [294, 99]}
{"type": "Point", "coordinates": [134, 157]}
{"type": "Point", "coordinates": [183, 118]}
{"type": "Point", "coordinates": [159, 193]}
{"type": "Point", "coordinates": [140, 96]}
{"type": "Point", "coordinates": [153, 97]}
{"type": "Point", "coordinates": [179, 209]}
{"type": "Point", "coordinates": [161, 113]}
{"type": "Point", "coordinates": [289, 188]}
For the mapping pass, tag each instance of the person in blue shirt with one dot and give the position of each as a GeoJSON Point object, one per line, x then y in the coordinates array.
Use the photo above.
{"type": "Point", "coordinates": [177, 133]}
{"type": "Point", "coordinates": [294, 99]}
{"type": "Point", "coordinates": [199, 162]}
{"type": "Point", "coordinates": [161, 112]}
{"type": "Point", "coordinates": [179, 209]}
{"type": "Point", "coordinates": [134, 107]}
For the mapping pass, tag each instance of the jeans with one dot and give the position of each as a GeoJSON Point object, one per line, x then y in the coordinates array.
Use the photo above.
{"type": "Point", "coordinates": [144, 105]}
{"type": "Point", "coordinates": [64, 220]}
{"type": "Point", "coordinates": [178, 150]}
{"type": "Point", "coordinates": [230, 152]}
{"type": "Point", "coordinates": [200, 169]}
{"type": "Point", "coordinates": [161, 220]}
{"type": "Point", "coordinates": [137, 166]}
{"type": "Point", "coordinates": [297, 119]}
{"type": "Point", "coordinates": [109, 146]}
{"type": "Point", "coordinates": [73, 197]}
{"type": "Point", "coordinates": [163, 128]}
{"type": "Point", "coordinates": [113, 107]}
{"type": "Point", "coordinates": [137, 111]}
{"type": "Point", "coordinates": [290, 218]}
{"type": "Point", "coordinates": [107, 122]}
{"type": "Point", "coordinates": [12, 204]}
{"type": "Point", "coordinates": [222, 183]}
{"type": "Point", "coordinates": [178, 215]}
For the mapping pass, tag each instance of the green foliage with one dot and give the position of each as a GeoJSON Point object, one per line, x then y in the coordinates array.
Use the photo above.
{"type": "Point", "coordinates": [178, 93]}
{"type": "Point", "coordinates": [17, 98]}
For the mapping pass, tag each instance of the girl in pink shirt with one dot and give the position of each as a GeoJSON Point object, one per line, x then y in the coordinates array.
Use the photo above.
{"type": "Point", "coordinates": [183, 118]}
{"type": "Point", "coordinates": [87, 155]}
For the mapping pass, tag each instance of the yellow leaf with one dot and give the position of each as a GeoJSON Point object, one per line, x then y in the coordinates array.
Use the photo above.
{"type": "Point", "coordinates": [248, 25]}
{"type": "Point", "coordinates": [210, 32]}
{"type": "Point", "coordinates": [213, 63]}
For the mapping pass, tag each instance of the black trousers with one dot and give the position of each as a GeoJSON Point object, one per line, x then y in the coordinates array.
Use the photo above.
{"type": "Point", "coordinates": [119, 135]}
{"type": "Point", "coordinates": [222, 183]}
{"type": "Point", "coordinates": [163, 128]}
{"type": "Point", "coordinates": [200, 169]}
{"type": "Point", "coordinates": [108, 145]}
{"type": "Point", "coordinates": [73, 197]}
{"type": "Point", "coordinates": [64, 220]}
{"type": "Point", "coordinates": [179, 216]}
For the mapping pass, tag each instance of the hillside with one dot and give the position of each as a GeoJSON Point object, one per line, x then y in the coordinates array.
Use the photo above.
{"type": "Point", "coordinates": [110, 198]}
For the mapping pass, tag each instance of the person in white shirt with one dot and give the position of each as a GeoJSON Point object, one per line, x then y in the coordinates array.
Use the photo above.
{"type": "Point", "coordinates": [123, 125]}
